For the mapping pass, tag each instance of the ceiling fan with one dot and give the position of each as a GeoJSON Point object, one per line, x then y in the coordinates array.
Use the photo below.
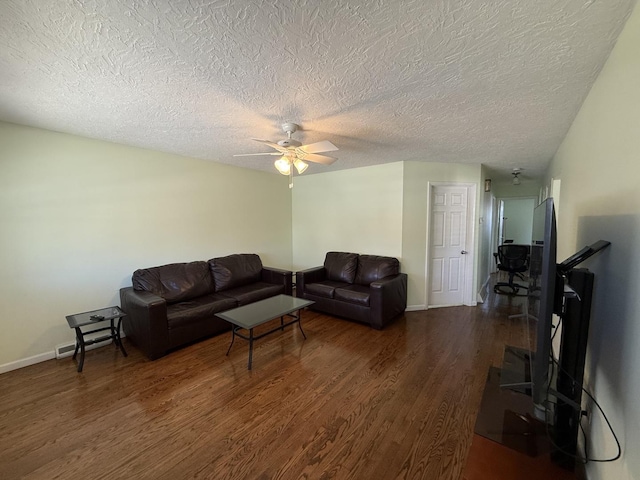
{"type": "Point", "coordinates": [294, 154]}
{"type": "Point", "coordinates": [516, 175]}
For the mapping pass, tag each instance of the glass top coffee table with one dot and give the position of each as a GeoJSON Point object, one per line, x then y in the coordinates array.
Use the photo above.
{"type": "Point", "coordinates": [90, 319]}
{"type": "Point", "coordinates": [250, 316]}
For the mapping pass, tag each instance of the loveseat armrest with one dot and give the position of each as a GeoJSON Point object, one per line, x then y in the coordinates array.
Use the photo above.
{"type": "Point", "coordinates": [146, 322]}
{"type": "Point", "coordinates": [388, 298]}
{"type": "Point", "coordinates": [310, 275]}
{"type": "Point", "coordinates": [279, 277]}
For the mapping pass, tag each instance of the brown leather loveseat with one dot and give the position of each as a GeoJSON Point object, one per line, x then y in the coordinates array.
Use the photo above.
{"type": "Point", "coordinates": [173, 305]}
{"type": "Point", "coordinates": [365, 288]}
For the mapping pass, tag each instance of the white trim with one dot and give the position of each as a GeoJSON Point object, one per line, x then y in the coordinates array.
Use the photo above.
{"type": "Point", "coordinates": [427, 265]}
{"type": "Point", "coordinates": [415, 308]}
{"type": "Point", "coordinates": [469, 295]}
{"type": "Point", "coordinates": [486, 282]}
{"type": "Point", "coordinates": [43, 357]}
{"type": "Point", "coordinates": [483, 293]}
{"type": "Point", "coordinates": [25, 362]}
{"type": "Point", "coordinates": [442, 306]}
{"type": "Point", "coordinates": [493, 241]}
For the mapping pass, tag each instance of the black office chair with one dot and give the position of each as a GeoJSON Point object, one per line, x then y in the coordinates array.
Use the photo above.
{"type": "Point", "coordinates": [495, 254]}
{"type": "Point", "coordinates": [513, 259]}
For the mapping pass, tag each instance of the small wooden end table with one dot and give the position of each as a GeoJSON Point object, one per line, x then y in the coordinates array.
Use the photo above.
{"type": "Point", "coordinates": [79, 320]}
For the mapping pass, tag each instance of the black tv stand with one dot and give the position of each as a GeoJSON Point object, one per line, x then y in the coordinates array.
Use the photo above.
{"type": "Point", "coordinates": [572, 302]}
{"type": "Point", "coordinates": [566, 384]}
{"type": "Point", "coordinates": [573, 349]}
{"type": "Point", "coordinates": [576, 316]}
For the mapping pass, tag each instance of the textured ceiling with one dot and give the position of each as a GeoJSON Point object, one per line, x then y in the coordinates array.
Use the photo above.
{"type": "Point", "coordinates": [469, 81]}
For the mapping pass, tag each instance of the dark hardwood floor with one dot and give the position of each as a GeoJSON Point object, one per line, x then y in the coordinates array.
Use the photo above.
{"type": "Point", "coordinates": [349, 402]}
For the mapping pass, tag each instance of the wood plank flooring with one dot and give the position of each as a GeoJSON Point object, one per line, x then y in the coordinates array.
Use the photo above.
{"type": "Point", "coordinates": [349, 402]}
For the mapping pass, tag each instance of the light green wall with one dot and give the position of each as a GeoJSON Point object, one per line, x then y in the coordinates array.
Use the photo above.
{"type": "Point", "coordinates": [599, 166]}
{"type": "Point", "coordinates": [528, 188]}
{"type": "Point", "coordinates": [379, 210]}
{"type": "Point", "coordinates": [79, 216]}
{"type": "Point", "coordinates": [518, 225]}
{"type": "Point", "coordinates": [357, 210]}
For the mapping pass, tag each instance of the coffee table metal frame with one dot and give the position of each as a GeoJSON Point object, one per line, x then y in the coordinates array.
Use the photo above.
{"type": "Point", "coordinates": [247, 317]}
{"type": "Point", "coordinates": [93, 317]}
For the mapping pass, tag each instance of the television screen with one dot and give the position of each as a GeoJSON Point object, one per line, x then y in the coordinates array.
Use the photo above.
{"type": "Point", "coordinates": [542, 293]}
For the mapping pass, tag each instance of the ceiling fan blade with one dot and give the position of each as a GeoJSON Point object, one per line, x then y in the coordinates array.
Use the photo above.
{"type": "Point", "coordinates": [250, 154]}
{"type": "Point", "coordinates": [324, 146]}
{"type": "Point", "coordinates": [272, 145]}
{"type": "Point", "coordinates": [314, 157]}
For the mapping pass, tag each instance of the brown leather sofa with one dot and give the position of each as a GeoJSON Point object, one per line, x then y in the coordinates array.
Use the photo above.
{"type": "Point", "coordinates": [173, 305]}
{"type": "Point", "coordinates": [365, 288]}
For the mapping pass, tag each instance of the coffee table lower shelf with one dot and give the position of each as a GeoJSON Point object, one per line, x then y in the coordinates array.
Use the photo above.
{"type": "Point", "coordinates": [258, 313]}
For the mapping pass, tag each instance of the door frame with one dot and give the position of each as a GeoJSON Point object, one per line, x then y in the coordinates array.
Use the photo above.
{"type": "Point", "coordinates": [468, 297]}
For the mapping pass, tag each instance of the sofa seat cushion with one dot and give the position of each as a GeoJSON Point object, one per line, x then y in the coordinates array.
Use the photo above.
{"type": "Point", "coordinates": [372, 268]}
{"type": "Point", "coordinates": [324, 289]}
{"type": "Point", "coordinates": [357, 294]}
{"type": "Point", "coordinates": [191, 311]}
{"type": "Point", "coordinates": [341, 266]}
{"type": "Point", "coordinates": [254, 292]}
{"type": "Point", "coordinates": [235, 271]}
{"type": "Point", "coordinates": [176, 282]}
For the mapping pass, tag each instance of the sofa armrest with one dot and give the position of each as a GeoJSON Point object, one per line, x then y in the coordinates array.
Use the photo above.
{"type": "Point", "coordinates": [278, 277]}
{"type": "Point", "coordinates": [146, 321]}
{"type": "Point", "coordinates": [388, 298]}
{"type": "Point", "coordinates": [310, 275]}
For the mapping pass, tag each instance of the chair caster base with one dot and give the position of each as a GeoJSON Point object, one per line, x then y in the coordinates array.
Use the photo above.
{"type": "Point", "coordinates": [508, 289]}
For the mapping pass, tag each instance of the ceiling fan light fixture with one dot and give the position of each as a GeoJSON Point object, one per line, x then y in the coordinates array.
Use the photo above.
{"type": "Point", "coordinates": [300, 165]}
{"type": "Point", "coordinates": [283, 165]}
{"type": "Point", "coordinates": [516, 179]}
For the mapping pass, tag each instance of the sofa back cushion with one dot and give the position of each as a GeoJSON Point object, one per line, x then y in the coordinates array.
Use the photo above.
{"type": "Point", "coordinates": [372, 268]}
{"type": "Point", "coordinates": [341, 266]}
{"type": "Point", "coordinates": [235, 270]}
{"type": "Point", "coordinates": [175, 282]}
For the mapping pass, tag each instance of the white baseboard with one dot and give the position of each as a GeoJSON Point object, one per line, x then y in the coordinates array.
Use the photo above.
{"type": "Point", "coordinates": [484, 291]}
{"type": "Point", "coordinates": [25, 362]}
{"type": "Point", "coordinates": [415, 308]}
{"type": "Point", "coordinates": [43, 357]}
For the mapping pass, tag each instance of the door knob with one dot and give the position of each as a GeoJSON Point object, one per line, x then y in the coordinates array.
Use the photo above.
{"type": "Point", "coordinates": [464, 252]}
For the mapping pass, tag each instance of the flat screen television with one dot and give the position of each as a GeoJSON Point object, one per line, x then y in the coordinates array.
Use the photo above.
{"type": "Point", "coordinates": [542, 293]}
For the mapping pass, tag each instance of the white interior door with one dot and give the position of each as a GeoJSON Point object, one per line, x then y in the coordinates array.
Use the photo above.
{"type": "Point", "coordinates": [448, 245]}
